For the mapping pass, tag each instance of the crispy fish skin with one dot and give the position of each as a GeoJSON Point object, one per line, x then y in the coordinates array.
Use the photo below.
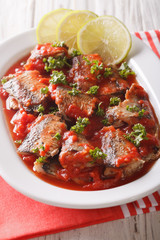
{"type": "Point", "coordinates": [135, 97]}
{"type": "Point", "coordinates": [43, 134]}
{"type": "Point", "coordinates": [80, 73]}
{"type": "Point", "coordinates": [84, 103]}
{"type": "Point", "coordinates": [47, 167]}
{"type": "Point", "coordinates": [75, 152]}
{"type": "Point", "coordinates": [47, 50]}
{"type": "Point", "coordinates": [121, 154]}
{"type": "Point", "coordinates": [26, 89]}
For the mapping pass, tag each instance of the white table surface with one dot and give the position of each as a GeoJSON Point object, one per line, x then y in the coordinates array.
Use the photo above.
{"type": "Point", "coordinates": [19, 15]}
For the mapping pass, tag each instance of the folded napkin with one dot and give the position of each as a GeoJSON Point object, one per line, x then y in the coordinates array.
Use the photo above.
{"type": "Point", "coordinates": [24, 218]}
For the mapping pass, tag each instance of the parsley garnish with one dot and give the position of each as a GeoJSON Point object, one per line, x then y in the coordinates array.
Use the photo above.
{"type": "Point", "coordinates": [73, 85]}
{"type": "Point", "coordinates": [87, 60]}
{"type": "Point", "coordinates": [141, 113]}
{"type": "Point", "coordinates": [107, 72]}
{"type": "Point", "coordinates": [57, 136]}
{"type": "Point", "coordinates": [114, 101]}
{"type": "Point", "coordinates": [105, 122]}
{"type": "Point", "coordinates": [135, 109]}
{"type": "Point", "coordinates": [132, 109]}
{"type": "Point", "coordinates": [100, 111]}
{"type": "Point", "coordinates": [40, 108]}
{"type": "Point", "coordinates": [93, 90]}
{"type": "Point", "coordinates": [53, 109]}
{"type": "Point", "coordinates": [55, 63]}
{"type": "Point", "coordinates": [41, 160]}
{"type": "Point", "coordinates": [75, 53]}
{"type": "Point", "coordinates": [58, 44]}
{"type": "Point", "coordinates": [95, 67]}
{"type": "Point", "coordinates": [42, 147]}
{"type": "Point", "coordinates": [97, 153]}
{"type": "Point", "coordinates": [138, 134]}
{"type": "Point", "coordinates": [35, 150]}
{"type": "Point", "coordinates": [44, 90]}
{"type": "Point", "coordinates": [74, 91]}
{"type": "Point", "coordinates": [81, 123]}
{"type": "Point", "coordinates": [125, 70]}
{"type": "Point", "coordinates": [58, 77]}
{"type": "Point", "coordinates": [3, 80]}
{"type": "Point", "coordinates": [99, 76]}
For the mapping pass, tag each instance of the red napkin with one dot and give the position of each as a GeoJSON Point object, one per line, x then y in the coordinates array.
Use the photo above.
{"type": "Point", "coordinates": [23, 218]}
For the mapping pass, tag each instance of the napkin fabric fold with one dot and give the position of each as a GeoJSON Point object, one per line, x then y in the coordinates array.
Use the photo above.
{"type": "Point", "coordinates": [24, 218]}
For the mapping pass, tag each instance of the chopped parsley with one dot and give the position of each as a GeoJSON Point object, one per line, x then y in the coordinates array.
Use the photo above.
{"type": "Point", "coordinates": [44, 90]}
{"type": "Point", "coordinates": [107, 72]}
{"type": "Point", "coordinates": [57, 136]}
{"type": "Point", "coordinates": [81, 123]}
{"type": "Point", "coordinates": [35, 150]}
{"type": "Point", "coordinates": [95, 67]}
{"type": "Point", "coordinates": [40, 108]}
{"type": "Point", "coordinates": [138, 134]}
{"type": "Point", "coordinates": [132, 109]}
{"type": "Point", "coordinates": [100, 111]}
{"type": "Point", "coordinates": [74, 92]}
{"type": "Point", "coordinates": [125, 70]}
{"type": "Point", "coordinates": [58, 44]}
{"type": "Point", "coordinates": [114, 101]}
{"type": "Point", "coordinates": [93, 90]}
{"type": "Point", "coordinates": [75, 52]}
{"type": "Point", "coordinates": [87, 60]}
{"type": "Point", "coordinates": [41, 160]}
{"type": "Point", "coordinates": [58, 77]}
{"type": "Point", "coordinates": [105, 122]}
{"type": "Point", "coordinates": [18, 141]}
{"type": "Point", "coordinates": [55, 63]}
{"type": "Point", "coordinates": [53, 109]}
{"type": "Point", "coordinates": [42, 147]}
{"type": "Point", "coordinates": [99, 76]}
{"type": "Point", "coordinates": [73, 85]}
{"type": "Point", "coordinates": [135, 109]}
{"type": "Point", "coordinates": [3, 80]}
{"type": "Point", "coordinates": [141, 113]}
{"type": "Point", "coordinates": [97, 153]}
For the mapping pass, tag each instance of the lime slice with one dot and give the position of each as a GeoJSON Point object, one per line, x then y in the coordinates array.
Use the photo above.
{"type": "Point", "coordinates": [106, 36]}
{"type": "Point", "coordinates": [46, 29]}
{"type": "Point", "coordinates": [70, 24]}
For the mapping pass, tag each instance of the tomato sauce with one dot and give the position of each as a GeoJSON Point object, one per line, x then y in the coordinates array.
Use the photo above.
{"type": "Point", "coordinates": [21, 128]}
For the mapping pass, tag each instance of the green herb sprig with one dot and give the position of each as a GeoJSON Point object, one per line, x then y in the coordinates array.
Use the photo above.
{"type": "Point", "coordinates": [58, 78]}
{"type": "Point", "coordinates": [58, 44]}
{"type": "Point", "coordinates": [41, 160]}
{"type": "Point", "coordinates": [74, 92]}
{"type": "Point", "coordinates": [40, 109]}
{"type": "Point", "coordinates": [44, 90]}
{"type": "Point", "coordinates": [75, 52]}
{"type": "Point", "coordinates": [57, 136]}
{"type": "Point", "coordinates": [100, 111]}
{"type": "Point", "coordinates": [55, 63]}
{"type": "Point", "coordinates": [81, 123]}
{"type": "Point", "coordinates": [114, 101]}
{"type": "Point", "coordinates": [97, 153]}
{"type": "Point", "coordinates": [107, 72]}
{"type": "Point", "coordinates": [125, 70]}
{"type": "Point", "coordinates": [138, 134]}
{"type": "Point", "coordinates": [93, 90]}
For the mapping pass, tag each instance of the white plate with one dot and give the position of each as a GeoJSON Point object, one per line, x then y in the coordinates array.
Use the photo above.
{"type": "Point", "coordinates": [147, 66]}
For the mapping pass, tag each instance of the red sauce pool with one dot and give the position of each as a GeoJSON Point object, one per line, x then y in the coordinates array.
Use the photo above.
{"type": "Point", "coordinates": [28, 161]}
